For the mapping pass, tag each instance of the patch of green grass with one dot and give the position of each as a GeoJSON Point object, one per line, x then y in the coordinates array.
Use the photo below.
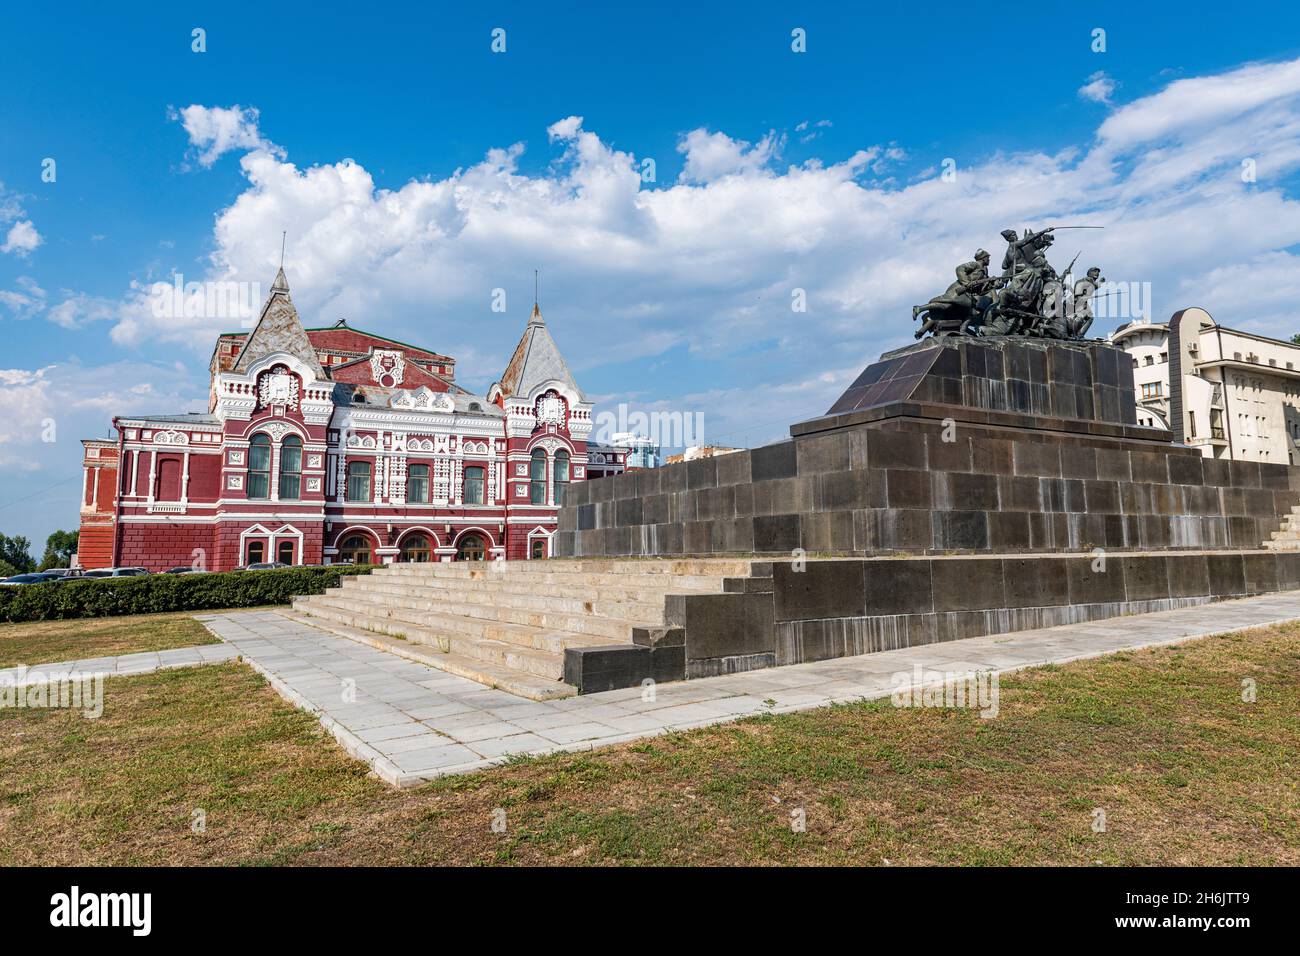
{"type": "Point", "coordinates": [1160, 739]}
{"type": "Point", "coordinates": [47, 642]}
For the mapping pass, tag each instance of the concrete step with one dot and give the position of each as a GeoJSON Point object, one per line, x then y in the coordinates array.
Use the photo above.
{"type": "Point", "coordinates": [514, 587]}
{"type": "Point", "coordinates": [528, 649]}
{"type": "Point", "coordinates": [452, 600]}
{"type": "Point", "coordinates": [509, 579]}
{"type": "Point", "coordinates": [450, 614]}
{"type": "Point", "coordinates": [708, 567]}
{"type": "Point", "coordinates": [508, 679]}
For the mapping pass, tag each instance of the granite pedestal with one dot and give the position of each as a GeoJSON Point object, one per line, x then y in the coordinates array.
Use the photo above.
{"type": "Point", "coordinates": [983, 449]}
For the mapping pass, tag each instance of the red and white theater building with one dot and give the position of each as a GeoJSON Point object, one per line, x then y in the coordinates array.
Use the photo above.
{"type": "Point", "coordinates": [333, 444]}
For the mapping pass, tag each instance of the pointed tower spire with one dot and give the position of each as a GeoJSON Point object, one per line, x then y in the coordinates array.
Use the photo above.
{"type": "Point", "coordinates": [536, 317]}
{"type": "Point", "coordinates": [536, 360]}
{"type": "Point", "coordinates": [279, 330]}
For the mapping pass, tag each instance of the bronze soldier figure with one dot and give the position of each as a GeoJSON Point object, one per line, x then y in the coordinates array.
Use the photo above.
{"type": "Point", "coordinates": [1021, 251]}
{"type": "Point", "coordinates": [1080, 319]}
{"type": "Point", "coordinates": [958, 300]}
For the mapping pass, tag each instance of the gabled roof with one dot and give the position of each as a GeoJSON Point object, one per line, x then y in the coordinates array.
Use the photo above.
{"type": "Point", "coordinates": [359, 372]}
{"type": "Point", "coordinates": [537, 359]}
{"type": "Point", "coordinates": [279, 330]}
{"type": "Point", "coordinates": [327, 337]}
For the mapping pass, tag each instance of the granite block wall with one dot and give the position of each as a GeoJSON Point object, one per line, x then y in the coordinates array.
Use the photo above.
{"type": "Point", "coordinates": [918, 486]}
{"type": "Point", "coordinates": [791, 612]}
{"type": "Point", "coordinates": [840, 608]}
{"type": "Point", "coordinates": [1086, 381]}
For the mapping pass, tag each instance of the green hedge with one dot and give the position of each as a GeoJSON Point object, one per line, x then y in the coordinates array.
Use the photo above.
{"type": "Point", "coordinates": [153, 593]}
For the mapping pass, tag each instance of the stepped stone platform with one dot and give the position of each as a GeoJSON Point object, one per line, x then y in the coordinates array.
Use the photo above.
{"type": "Point", "coordinates": [958, 488]}
{"type": "Point", "coordinates": [1287, 536]}
{"type": "Point", "coordinates": [510, 624]}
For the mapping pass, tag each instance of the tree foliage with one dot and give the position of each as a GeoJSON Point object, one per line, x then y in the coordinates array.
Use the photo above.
{"type": "Point", "coordinates": [59, 549]}
{"type": "Point", "coordinates": [16, 553]}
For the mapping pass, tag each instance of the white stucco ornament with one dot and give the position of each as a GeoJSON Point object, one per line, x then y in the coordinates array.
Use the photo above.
{"type": "Point", "coordinates": [387, 367]}
{"type": "Point", "coordinates": [550, 410]}
{"type": "Point", "coordinates": [277, 388]}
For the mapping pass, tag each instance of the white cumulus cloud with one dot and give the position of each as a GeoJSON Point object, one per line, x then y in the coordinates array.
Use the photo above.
{"type": "Point", "coordinates": [1099, 88]}
{"type": "Point", "coordinates": [216, 130]}
{"type": "Point", "coordinates": [711, 156]}
{"type": "Point", "coordinates": [22, 238]}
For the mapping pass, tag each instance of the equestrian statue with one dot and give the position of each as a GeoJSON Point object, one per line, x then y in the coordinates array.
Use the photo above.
{"type": "Point", "coordinates": [1028, 298]}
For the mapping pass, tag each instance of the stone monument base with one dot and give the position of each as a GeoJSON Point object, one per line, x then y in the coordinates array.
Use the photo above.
{"type": "Point", "coordinates": [925, 490]}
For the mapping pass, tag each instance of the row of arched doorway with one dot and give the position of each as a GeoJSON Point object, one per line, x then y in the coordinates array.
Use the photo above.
{"type": "Point", "coordinates": [359, 549]}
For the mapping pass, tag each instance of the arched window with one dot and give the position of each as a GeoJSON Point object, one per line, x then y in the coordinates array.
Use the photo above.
{"type": "Point", "coordinates": [417, 483]}
{"type": "Point", "coordinates": [291, 468]}
{"type": "Point", "coordinates": [416, 548]}
{"type": "Point", "coordinates": [358, 481]}
{"type": "Point", "coordinates": [561, 475]}
{"type": "Point", "coordinates": [470, 548]}
{"type": "Point", "coordinates": [284, 552]}
{"type": "Point", "coordinates": [537, 548]}
{"type": "Point", "coordinates": [537, 478]}
{"type": "Point", "coordinates": [473, 486]}
{"type": "Point", "coordinates": [258, 482]}
{"type": "Point", "coordinates": [355, 549]}
{"type": "Point", "coordinates": [255, 553]}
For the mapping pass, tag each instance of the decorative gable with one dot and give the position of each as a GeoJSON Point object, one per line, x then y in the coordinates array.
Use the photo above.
{"type": "Point", "coordinates": [424, 400]}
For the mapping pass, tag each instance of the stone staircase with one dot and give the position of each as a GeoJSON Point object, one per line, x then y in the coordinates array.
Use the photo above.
{"type": "Point", "coordinates": [1287, 537]}
{"type": "Point", "coordinates": [507, 624]}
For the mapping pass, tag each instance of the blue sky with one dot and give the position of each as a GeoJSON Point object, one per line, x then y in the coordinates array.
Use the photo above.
{"type": "Point", "coordinates": [774, 171]}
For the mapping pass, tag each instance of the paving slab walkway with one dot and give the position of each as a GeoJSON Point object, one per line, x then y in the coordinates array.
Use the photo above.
{"type": "Point", "coordinates": [412, 723]}
{"type": "Point", "coordinates": [145, 662]}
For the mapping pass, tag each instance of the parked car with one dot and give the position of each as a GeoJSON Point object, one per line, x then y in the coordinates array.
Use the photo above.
{"type": "Point", "coordinates": [63, 572]}
{"type": "Point", "coordinates": [184, 569]}
{"type": "Point", "coordinates": [114, 572]}
{"type": "Point", "coordinates": [36, 577]}
{"type": "Point", "coordinates": [264, 566]}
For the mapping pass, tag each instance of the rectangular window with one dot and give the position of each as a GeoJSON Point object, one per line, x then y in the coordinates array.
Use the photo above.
{"type": "Point", "coordinates": [259, 467]}
{"type": "Point", "coordinates": [291, 469]}
{"type": "Point", "coordinates": [1151, 390]}
{"type": "Point", "coordinates": [1191, 423]}
{"type": "Point", "coordinates": [359, 481]}
{"type": "Point", "coordinates": [417, 483]}
{"type": "Point", "coordinates": [560, 475]}
{"type": "Point", "coordinates": [537, 478]}
{"type": "Point", "coordinates": [473, 486]}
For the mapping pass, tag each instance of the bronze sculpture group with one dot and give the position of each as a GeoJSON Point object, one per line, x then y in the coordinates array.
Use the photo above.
{"type": "Point", "coordinates": [1029, 297]}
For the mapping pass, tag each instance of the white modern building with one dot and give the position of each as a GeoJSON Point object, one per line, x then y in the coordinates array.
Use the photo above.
{"type": "Point", "coordinates": [642, 452]}
{"type": "Point", "coordinates": [1234, 394]}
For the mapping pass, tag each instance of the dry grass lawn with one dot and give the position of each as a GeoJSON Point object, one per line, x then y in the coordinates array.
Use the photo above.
{"type": "Point", "coordinates": [46, 642]}
{"type": "Point", "coordinates": [1161, 740]}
